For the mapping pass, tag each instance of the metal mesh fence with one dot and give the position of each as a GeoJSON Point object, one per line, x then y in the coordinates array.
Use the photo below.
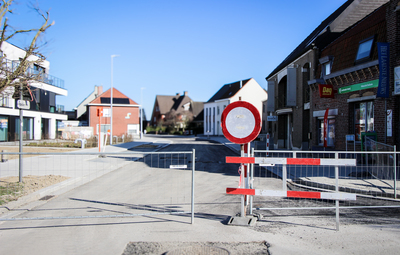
{"type": "Point", "coordinates": [96, 185]}
{"type": "Point", "coordinates": [373, 179]}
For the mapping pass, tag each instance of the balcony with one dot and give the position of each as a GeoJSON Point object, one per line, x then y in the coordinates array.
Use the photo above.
{"type": "Point", "coordinates": [11, 65]}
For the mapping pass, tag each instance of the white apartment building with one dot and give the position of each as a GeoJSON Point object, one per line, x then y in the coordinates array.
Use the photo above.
{"type": "Point", "coordinates": [41, 119]}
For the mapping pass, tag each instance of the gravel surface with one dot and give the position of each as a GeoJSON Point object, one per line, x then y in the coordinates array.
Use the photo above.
{"type": "Point", "coordinates": [196, 248]}
{"type": "Point", "coordinates": [30, 185]}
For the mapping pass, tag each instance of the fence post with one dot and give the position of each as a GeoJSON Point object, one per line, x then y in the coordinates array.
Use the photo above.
{"type": "Point", "coordinates": [337, 190]}
{"type": "Point", "coordinates": [193, 169]}
{"type": "Point", "coordinates": [395, 173]}
{"type": "Point", "coordinates": [251, 181]}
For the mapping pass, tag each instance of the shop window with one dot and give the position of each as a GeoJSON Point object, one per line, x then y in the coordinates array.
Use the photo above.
{"type": "Point", "coordinates": [3, 129]}
{"type": "Point", "coordinates": [330, 132]}
{"type": "Point", "coordinates": [27, 128]}
{"type": "Point", "coordinates": [364, 50]}
{"type": "Point", "coordinates": [364, 118]}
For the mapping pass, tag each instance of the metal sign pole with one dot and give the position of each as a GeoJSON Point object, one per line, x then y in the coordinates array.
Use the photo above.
{"type": "Point", "coordinates": [242, 207]}
{"type": "Point", "coordinates": [21, 127]}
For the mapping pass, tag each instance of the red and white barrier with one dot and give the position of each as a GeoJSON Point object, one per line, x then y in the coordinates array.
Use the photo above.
{"type": "Point", "coordinates": [292, 194]}
{"type": "Point", "coordinates": [292, 161]}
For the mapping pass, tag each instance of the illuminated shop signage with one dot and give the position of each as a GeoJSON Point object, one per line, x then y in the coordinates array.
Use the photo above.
{"type": "Point", "coordinates": [325, 91]}
{"type": "Point", "coordinates": [359, 86]}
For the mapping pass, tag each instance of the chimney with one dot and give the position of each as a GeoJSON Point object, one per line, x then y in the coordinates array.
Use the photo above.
{"type": "Point", "coordinates": [98, 90]}
{"type": "Point", "coordinates": [185, 93]}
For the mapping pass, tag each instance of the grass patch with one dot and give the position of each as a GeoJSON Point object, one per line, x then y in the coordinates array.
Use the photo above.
{"type": "Point", "coordinates": [10, 191]}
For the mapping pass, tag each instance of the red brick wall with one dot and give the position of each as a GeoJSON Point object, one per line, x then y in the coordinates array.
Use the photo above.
{"type": "Point", "coordinates": [120, 123]}
{"type": "Point", "coordinates": [344, 51]}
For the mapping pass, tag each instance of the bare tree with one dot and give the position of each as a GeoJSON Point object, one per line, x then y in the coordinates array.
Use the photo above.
{"type": "Point", "coordinates": [19, 75]}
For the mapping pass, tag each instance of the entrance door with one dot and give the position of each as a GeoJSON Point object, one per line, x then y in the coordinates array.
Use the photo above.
{"type": "Point", "coordinates": [45, 128]}
{"type": "Point", "coordinates": [282, 131]}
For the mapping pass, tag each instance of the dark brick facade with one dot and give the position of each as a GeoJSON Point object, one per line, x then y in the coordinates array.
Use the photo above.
{"type": "Point", "coordinates": [345, 71]}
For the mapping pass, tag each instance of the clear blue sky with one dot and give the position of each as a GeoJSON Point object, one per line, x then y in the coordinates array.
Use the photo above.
{"type": "Point", "coordinates": [171, 46]}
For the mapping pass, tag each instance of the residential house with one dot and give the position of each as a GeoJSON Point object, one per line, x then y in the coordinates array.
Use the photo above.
{"type": "Point", "coordinates": [81, 109]}
{"type": "Point", "coordinates": [292, 122]}
{"type": "Point", "coordinates": [176, 112]}
{"type": "Point", "coordinates": [125, 114]}
{"type": "Point", "coordinates": [244, 90]}
{"type": "Point", "coordinates": [41, 119]}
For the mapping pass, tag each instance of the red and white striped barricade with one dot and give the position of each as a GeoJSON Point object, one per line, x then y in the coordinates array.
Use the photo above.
{"type": "Point", "coordinates": [291, 161]}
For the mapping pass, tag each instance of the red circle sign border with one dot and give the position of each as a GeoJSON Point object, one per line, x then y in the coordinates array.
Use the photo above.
{"type": "Point", "coordinates": [257, 127]}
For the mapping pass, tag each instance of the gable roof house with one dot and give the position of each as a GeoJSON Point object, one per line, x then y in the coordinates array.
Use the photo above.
{"type": "Point", "coordinates": [175, 112]}
{"type": "Point", "coordinates": [80, 110]}
{"type": "Point", "coordinates": [244, 90]}
{"type": "Point", "coordinates": [125, 114]}
{"type": "Point", "coordinates": [289, 92]}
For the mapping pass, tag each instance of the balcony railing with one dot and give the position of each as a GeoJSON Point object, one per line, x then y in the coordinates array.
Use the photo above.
{"type": "Point", "coordinates": [11, 65]}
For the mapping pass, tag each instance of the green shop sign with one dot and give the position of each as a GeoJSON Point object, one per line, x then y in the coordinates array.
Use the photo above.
{"type": "Point", "coordinates": [359, 86]}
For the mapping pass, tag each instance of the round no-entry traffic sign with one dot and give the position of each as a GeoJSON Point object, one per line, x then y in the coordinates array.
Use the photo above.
{"type": "Point", "coordinates": [241, 122]}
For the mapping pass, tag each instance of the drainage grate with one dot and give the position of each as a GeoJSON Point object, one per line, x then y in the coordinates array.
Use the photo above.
{"type": "Point", "coordinates": [45, 198]}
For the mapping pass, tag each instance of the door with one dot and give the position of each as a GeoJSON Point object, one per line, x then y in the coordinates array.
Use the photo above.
{"type": "Point", "coordinates": [283, 131]}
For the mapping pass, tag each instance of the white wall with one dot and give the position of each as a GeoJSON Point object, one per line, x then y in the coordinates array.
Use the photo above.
{"type": "Point", "coordinates": [12, 52]}
{"type": "Point", "coordinates": [251, 92]}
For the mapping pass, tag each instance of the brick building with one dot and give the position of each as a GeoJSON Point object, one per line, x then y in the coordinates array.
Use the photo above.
{"type": "Point", "coordinates": [341, 57]}
{"type": "Point", "coordinates": [350, 66]}
{"type": "Point", "coordinates": [125, 114]}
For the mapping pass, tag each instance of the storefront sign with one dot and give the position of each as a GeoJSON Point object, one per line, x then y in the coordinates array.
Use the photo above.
{"type": "Point", "coordinates": [383, 56]}
{"type": "Point", "coordinates": [359, 86]}
{"type": "Point", "coordinates": [397, 80]}
{"type": "Point", "coordinates": [325, 91]}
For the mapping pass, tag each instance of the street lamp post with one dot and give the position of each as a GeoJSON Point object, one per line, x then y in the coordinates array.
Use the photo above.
{"type": "Point", "coordinates": [111, 101]}
{"type": "Point", "coordinates": [141, 112]}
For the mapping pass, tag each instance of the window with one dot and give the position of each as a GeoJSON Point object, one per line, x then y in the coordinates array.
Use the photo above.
{"type": "Point", "coordinates": [330, 132]}
{"type": "Point", "coordinates": [3, 129]}
{"type": "Point", "coordinates": [4, 101]}
{"type": "Point", "coordinates": [364, 49]}
{"type": "Point", "coordinates": [326, 63]}
{"type": "Point", "coordinates": [104, 128]}
{"type": "Point", "coordinates": [364, 118]}
{"type": "Point", "coordinates": [38, 69]}
{"type": "Point", "coordinates": [327, 68]}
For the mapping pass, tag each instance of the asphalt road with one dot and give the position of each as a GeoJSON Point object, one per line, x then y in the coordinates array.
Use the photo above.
{"type": "Point", "coordinates": [149, 189]}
